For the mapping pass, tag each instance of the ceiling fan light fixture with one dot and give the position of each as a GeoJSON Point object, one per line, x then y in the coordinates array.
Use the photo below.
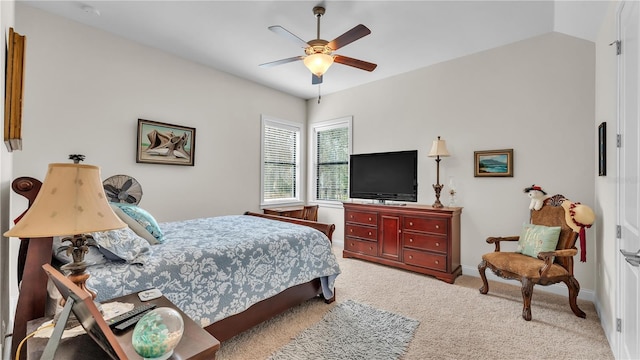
{"type": "Point", "coordinates": [318, 63]}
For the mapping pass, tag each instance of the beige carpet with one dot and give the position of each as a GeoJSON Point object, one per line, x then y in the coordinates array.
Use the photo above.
{"type": "Point", "coordinates": [456, 321]}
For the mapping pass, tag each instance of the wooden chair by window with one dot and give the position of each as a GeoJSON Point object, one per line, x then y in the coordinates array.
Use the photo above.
{"type": "Point", "coordinates": [549, 266]}
{"type": "Point", "coordinates": [310, 212]}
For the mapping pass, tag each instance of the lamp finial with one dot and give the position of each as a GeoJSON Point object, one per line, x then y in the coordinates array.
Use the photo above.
{"type": "Point", "coordinates": [76, 158]}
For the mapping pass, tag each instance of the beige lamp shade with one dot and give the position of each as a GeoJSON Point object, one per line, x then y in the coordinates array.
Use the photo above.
{"type": "Point", "coordinates": [439, 148]}
{"type": "Point", "coordinates": [318, 64]}
{"type": "Point", "coordinates": [71, 201]}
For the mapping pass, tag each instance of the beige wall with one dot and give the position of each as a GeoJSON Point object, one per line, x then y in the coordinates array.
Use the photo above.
{"type": "Point", "coordinates": [6, 21]}
{"type": "Point", "coordinates": [535, 96]}
{"type": "Point", "coordinates": [85, 90]}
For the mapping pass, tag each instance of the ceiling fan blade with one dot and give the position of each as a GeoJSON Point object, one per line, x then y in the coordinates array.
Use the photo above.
{"type": "Point", "coordinates": [350, 36]}
{"type": "Point", "coordinates": [287, 34]}
{"type": "Point", "coordinates": [354, 62]}
{"type": "Point", "coordinates": [282, 61]}
{"type": "Point", "coordinates": [315, 79]}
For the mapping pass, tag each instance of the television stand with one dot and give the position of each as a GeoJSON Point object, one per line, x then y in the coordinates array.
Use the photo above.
{"type": "Point", "coordinates": [417, 238]}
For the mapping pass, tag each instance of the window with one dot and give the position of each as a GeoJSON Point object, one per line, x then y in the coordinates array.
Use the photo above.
{"type": "Point", "coordinates": [331, 150]}
{"type": "Point", "coordinates": [280, 161]}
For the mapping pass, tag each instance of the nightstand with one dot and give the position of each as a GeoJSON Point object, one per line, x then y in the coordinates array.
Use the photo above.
{"type": "Point", "coordinates": [196, 343]}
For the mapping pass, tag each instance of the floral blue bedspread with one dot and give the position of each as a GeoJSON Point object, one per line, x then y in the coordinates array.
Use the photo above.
{"type": "Point", "coordinates": [212, 268]}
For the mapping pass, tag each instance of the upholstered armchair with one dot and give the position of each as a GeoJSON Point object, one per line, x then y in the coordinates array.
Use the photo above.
{"type": "Point", "coordinates": [533, 267]}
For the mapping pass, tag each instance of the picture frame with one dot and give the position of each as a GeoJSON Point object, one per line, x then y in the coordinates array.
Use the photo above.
{"type": "Point", "coordinates": [493, 163]}
{"type": "Point", "coordinates": [14, 91]}
{"type": "Point", "coordinates": [602, 149]}
{"type": "Point", "coordinates": [80, 303]}
{"type": "Point", "coordinates": [163, 143]}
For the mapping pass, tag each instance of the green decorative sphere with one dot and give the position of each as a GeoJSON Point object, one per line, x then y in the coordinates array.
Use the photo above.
{"type": "Point", "coordinates": [157, 333]}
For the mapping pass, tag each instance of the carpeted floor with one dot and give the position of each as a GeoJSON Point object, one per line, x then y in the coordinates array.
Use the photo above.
{"type": "Point", "coordinates": [456, 321]}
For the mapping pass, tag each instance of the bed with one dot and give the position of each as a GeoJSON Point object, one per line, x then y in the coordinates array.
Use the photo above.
{"type": "Point", "coordinates": [227, 295]}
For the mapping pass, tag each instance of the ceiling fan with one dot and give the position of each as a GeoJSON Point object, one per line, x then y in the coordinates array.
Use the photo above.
{"type": "Point", "coordinates": [319, 52]}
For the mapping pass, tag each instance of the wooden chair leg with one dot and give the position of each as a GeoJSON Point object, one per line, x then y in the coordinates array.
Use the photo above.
{"type": "Point", "coordinates": [527, 292]}
{"type": "Point", "coordinates": [485, 285]}
{"type": "Point", "coordinates": [574, 289]}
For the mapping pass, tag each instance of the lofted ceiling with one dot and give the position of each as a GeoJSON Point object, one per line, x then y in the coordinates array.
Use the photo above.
{"type": "Point", "coordinates": [233, 36]}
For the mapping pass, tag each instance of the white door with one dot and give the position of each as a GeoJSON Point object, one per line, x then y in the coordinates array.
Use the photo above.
{"type": "Point", "coordinates": [628, 289]}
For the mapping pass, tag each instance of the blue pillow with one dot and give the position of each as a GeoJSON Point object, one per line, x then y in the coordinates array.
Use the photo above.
{"type": "Point", "coordinates": [142, 217]}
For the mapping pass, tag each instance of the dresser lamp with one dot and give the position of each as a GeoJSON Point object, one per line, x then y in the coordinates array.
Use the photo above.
{"type": "Point", "coordinates": [438, 149]}
{"type": "Point", "coordinates": [71, 201]}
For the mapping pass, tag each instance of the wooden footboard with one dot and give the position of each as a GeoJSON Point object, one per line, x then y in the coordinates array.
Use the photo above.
{"type": "Point", "coordinates": [33, 295]}
{"type": "Point", "coordinates": [264, 310]}
{"type": "Point", "coordinates": [327, 229]}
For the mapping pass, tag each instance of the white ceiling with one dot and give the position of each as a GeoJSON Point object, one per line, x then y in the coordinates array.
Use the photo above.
{"type": "Point", "coordinates": [232, 36]}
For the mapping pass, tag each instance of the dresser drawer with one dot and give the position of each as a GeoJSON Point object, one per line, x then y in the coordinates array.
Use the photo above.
{"type": "Point", "coordinates": [361, 246]}
{"type": "Point", "coordinates": [425, 242]}
{"type": "Point", "coordinates": [361, 217]}
{"type": "Point", "coordinates": [365, 232]}
{"type": "Point", "coordinates": [425, 260]}
{"type": "Point", "coordinates": [432, 225]}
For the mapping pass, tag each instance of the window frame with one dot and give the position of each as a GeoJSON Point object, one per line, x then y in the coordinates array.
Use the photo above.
{"type": "Point", "coordinates": [346, 121]}
{"type": "Point", "coordinates": [288, 125]}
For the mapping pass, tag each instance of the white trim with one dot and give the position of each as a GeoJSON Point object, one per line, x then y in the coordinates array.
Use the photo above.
{"type": "Point", "coordinates": [266, 120]}
{"type": "Point", "coordinates": [313, 158]}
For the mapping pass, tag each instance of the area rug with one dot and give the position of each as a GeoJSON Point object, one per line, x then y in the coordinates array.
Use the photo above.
{"type": "Point", "coordinates": [352, 330]}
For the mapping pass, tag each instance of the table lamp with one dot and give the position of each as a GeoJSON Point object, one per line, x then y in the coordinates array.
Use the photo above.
{"type": "Point", "coordinates": [71, 201]}
{"type": "Point", "coordinates": [438, 149]}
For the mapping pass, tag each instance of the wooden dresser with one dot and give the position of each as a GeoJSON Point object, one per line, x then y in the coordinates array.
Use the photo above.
{"type": "Point", "coordinates": [418, 238]}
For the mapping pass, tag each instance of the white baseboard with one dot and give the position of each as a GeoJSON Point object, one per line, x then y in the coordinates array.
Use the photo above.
{"type": "Point", "coordinates": [558, 289]}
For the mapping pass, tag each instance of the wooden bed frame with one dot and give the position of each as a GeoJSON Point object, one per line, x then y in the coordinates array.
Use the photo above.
{"type": "Point", "coordinates": [33, 281]}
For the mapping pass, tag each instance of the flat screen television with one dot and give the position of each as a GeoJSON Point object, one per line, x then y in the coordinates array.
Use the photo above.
{"type": "Point", "coordinates": [384, 176]}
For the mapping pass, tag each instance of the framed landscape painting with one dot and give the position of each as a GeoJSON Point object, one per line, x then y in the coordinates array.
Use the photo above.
{"type": "Point", "coordinates": [162, 143]}
{"type": "Point", "coordinates": [493, 163]}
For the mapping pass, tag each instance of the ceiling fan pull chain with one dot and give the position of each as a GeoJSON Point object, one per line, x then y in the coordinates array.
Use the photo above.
{"type": "Point", "coordinates": [319, 96]}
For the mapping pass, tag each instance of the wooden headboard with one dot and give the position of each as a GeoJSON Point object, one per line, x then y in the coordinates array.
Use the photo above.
{"type": "Point", "coordinates": [32, 255]}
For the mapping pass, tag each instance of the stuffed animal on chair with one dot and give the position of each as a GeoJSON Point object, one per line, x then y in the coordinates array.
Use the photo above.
{"type": "Point", "coordinates": [537, 196]}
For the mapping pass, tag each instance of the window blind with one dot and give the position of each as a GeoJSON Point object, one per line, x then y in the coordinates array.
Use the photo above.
{"type": "Point", "coordinates": [280, 162]}
{"type": "Point", "coordinates": [332, 179]}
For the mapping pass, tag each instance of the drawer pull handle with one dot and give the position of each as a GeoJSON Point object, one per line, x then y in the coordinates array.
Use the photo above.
{"type": "Point", "coordinates": [369, 219]}
{"type": "Point", "coordinates": [437, 262]}
{"type": "Point", "coordinates": [352, 244]}
{"type": "Point", "coordinates": [410, 240]}
{"type": "Point", "coordinates": [437, 244]}
{"type": "Point", "coordinates": [369, 233]}
{"type": "Point", "coordinates": [410, 256]}
{"type": "Point", "coordinates": [350, 230]}
{"type": "Point", "coordinates": [351, 216]}
{"type": "Point", "coordinates": [437, 226]}
{"type": "Point", "coordinates": [370, 248]}
{"type": "Point", "coordinates": [410, 223]}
